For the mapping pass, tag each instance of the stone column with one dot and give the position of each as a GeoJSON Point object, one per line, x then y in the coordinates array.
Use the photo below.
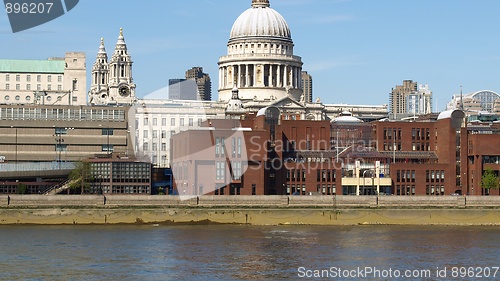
{"type": "Point", "coordinates": [247, 76]}
{"type": "Point", "coordinates": [278, 76]}
{"type": "Point", "coordinates": [271, 76]}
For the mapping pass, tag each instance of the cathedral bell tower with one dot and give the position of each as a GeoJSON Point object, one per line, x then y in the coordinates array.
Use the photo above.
{"type": "Point", "coordinates": [100, 76]}
{"type": "Point", "coordinates": [112, 81]}
{"type": "Point", "coordinates": [121, 86]}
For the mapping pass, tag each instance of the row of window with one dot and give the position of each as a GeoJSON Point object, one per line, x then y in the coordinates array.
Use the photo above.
{"type": "Point", "coordinates": [405, 176]}
{"type": "Point", "coordinates": [38, 87]}
{"type": "Point", "coordinates": [145, 134]}
{"type": "Point", "coordinates": [61, 114]}
{"type": "Point", "coordinates": [220, 147]}
{"type": "Point", "coordinates": [38, 78]}
{"type": "Point", "coordinates": [434, 176]}
{"type": "Point", "coordinates": [28, 98]}
{"type": "Point", "coordinates": [416, 133]}
{"type": "Point", "coordinates": [434, 190]}
{"type": "Point", "coordinates": [405, 189]}
{"type": "Point", "coordinates": [233, 190]}
{"type": "Point", "coordinates": [172, 121]}
{"type": "Point", "coordinates": [154, 147]}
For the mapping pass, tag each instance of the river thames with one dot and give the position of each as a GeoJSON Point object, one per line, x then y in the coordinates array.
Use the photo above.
{"type": "Point", "coordinates": [240, 252]}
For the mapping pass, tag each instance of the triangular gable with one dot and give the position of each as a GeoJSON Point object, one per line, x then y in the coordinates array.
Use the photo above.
{"type": "Point", "coordinates": [287, 102]}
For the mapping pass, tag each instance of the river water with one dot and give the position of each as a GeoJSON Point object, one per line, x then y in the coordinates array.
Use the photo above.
{"type": "Point", "coordinates": [234, 252]}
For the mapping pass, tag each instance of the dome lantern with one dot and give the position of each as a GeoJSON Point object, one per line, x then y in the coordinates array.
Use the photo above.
{"type": "Point", "coordinates": [260, 3]}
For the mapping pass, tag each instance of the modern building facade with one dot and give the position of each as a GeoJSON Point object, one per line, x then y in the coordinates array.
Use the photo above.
{"type": "Point", "coordinates": [410, 99]}
{"type": "Point", "coordinates": [307, 86]}
{"type": "Point", "coordinates": [182, 89]}
{"type": "Point", "coordinates": [31, 134]}
{"type": "Point", "coordinates": [156, 121]}
{"type": "Point", "coordinates": [56, 81]}
{"type": "Point", "coordinates": [482, 101]}
{"type": "Point", "coordinates": [203, 82]}
{"type": "Point", "coordinates": [119, 175]}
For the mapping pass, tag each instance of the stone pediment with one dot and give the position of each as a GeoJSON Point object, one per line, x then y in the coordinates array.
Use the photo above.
{"type": "Point", "coordinates": [287, 102]}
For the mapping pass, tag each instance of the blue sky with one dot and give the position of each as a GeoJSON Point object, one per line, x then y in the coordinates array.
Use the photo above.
{"type": "Point", "coordinates": [356, 50]}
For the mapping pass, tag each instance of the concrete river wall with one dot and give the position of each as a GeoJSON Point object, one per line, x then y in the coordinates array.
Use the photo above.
{"type": "Point", "coordinates": [255, 210]}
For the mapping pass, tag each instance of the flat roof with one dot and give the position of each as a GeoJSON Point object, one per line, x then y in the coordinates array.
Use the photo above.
{"type": "Point", "coordinates": [32, 66]}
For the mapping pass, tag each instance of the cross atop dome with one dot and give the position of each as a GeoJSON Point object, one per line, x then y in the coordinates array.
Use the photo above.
{"type": "Point", "coordinates": [260, 3]}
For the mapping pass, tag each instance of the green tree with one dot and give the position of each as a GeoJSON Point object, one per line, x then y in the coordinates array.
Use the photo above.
{"type": "Point", "coordinates": [80, 177]}
{"type": "Point", "coordinates": [22, 189]}
{"type": "Point", "coordinates": [489, 180]}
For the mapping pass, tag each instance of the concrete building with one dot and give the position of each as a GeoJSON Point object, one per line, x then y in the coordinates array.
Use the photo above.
{"type": "Point", "coordinates": [307, 86]}
{"type": "Point", "coordinates": [112, 81]}
{"type": "Point", "coordinates": [156, 121]}
{"type": "Point", "coordinates": [55, 81]}
{"type": "Point", "coordinates": [182, 89]}
{"type": "Point", "coordinates": [410, 99]}
{"type": "Point", "coordinates": [119, 175]}
{"type": "Point", "coordinates": [203, 82]}
{"type": "Point", "coordinates": [33, 134]}
{"type": "Point", "coordinates": [472, 103]}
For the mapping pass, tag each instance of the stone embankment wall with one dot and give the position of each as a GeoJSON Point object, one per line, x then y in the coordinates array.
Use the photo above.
{"type": "Point", "coordinates": [250, 201]}
{"type": "Point", "coordinates": [254, 210]}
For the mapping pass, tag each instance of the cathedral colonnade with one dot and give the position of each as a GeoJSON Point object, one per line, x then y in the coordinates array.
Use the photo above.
{"type": "Point", "coordinates": [259, 75]}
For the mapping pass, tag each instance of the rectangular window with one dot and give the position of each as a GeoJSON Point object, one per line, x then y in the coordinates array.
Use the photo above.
{"type": "Point", "coordinates": [220, 171]}
{"type": "Point", "coordinates": [59, 87]}
{"type": "Point", "coordinates": [164, 121]}
{"type": "Point", "coordinates": [107, 148]}
{"type": "Point", "coordinates": [49, 87]}
{"type": "Point", "coordinates": [39, 78]}
{"type": "Point", "coordinates": [18, 78]}
{"type": "Point", "coordinates": [108, 131]}
{"type": "Point", "coordinates": [145, 134]}
{"type": "Point", "coordinates": [59, 78]}
{"type": "Point", "coordinates": [38, 87]}
{"type": "Point", "coordinates": [145, 146]}
{"type": "Point", "coordinates": [7, 86]}
{"type": "Point", "coordinates": [155, 146]}
{"type": "Point", "coordinates": [236, 165]}
{"type": "Point", "coordinates": [49, 78]}
{"type": "Point", "coordinates": [163, 146]}
{"type": "Point", "coordinates": [28, 87]}
{"type": "Point", "coordinates": [181, 122]}
{"type": "Point", "coordinates": [75, 85]}
{"type": "Point", "coordinates": [28, 78]}
{"type": "Point", "coordinates": [61, 147]}
{"type": "Point", "coordinates": [199, 122]}
{"type": "Point", "coordinates": [18, 87]}
{"type": "Point", "coordinates": [155, 134]}
{"type": "Point", "coordinates": [163, 134]}
{"type": "Point", "coordinates": [7, 77]}
{"type": "Point", "coordinates": [254, 189]}
{"type": "Point", "coordinates": [155, 121]}
{"type": "Point", "coordinates": [172, 121]}
{"type": "Point", "coordinates": [190, 122]}
{"type": "Point", "coordinates": [146, 121]}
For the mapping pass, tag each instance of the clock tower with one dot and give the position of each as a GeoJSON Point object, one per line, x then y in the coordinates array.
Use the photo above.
{"type": "Point", "coordinates": [112, 81]}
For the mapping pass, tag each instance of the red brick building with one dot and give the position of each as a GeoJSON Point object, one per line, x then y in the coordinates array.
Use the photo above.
{"type": "Point", "coordinates": [264, 154]}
